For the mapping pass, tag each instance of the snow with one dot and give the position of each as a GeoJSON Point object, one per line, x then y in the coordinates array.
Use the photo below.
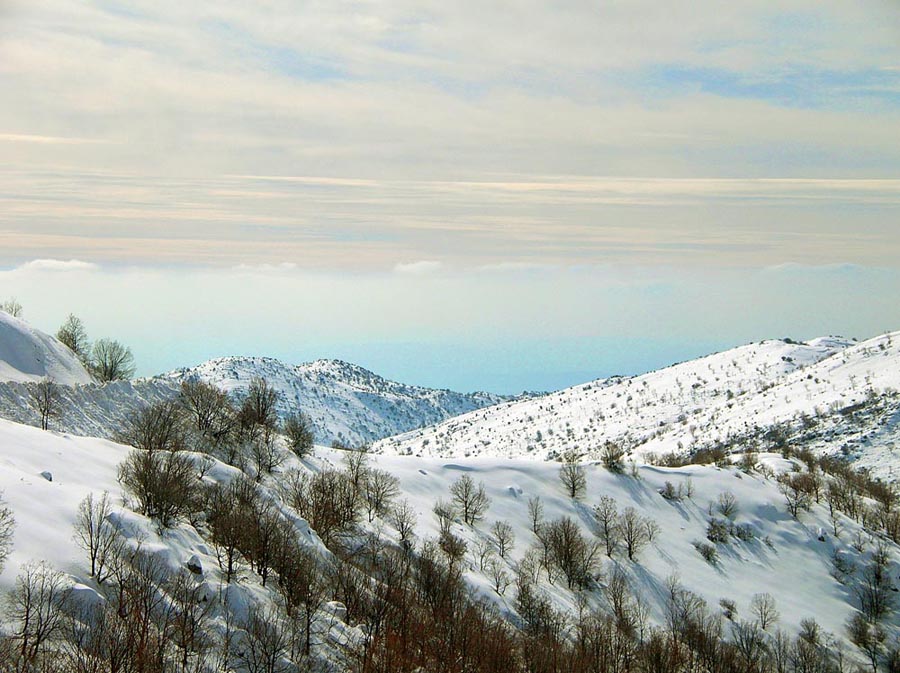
{"type": "Point", "coordinates": [833, 394]}
{"type": "Point", "coordinates": [345, 402]}
{"type": "Point", "coordinates": [795, 569]}
{"type": "Point", "coordinates": [26, 354]}
{"type": "Point", "coordinates": [727, 396]}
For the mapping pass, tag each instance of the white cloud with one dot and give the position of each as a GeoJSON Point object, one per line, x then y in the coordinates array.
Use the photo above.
{"type": "Point", "coordinates": [420, 268]}
{"type": "Point", "coordinates": [266, 268]}
{"type": "Point", "coordinates": [56, 265]}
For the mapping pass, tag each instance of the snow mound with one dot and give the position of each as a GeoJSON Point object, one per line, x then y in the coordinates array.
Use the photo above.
{"type": "Point", "coordinates": [27, 354]}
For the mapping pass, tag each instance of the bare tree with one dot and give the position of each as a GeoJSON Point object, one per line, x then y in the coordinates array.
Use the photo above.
{"type": "Point", "coordinates": [504, 537]}
{"type": "Point", "coordinates": [12, 307]}
{"type": "Point", "coordinates": [259, 410]}
{"type": "Point", "coordinates": [212, 414]}
{"type": "Point", "coordinates": [472, 500]}
{"type": "Point", "coordinates": [164, 484]}
{"type": "Point", "coordinates": [34, 605]}
{"type": "Point", "coordinates": [445, 512]}
{"type": "Point", "coordinates": [403, 517]}
{"type": "Point", "coordinates": [763, 606]}
{"type": "Point", "coordinates": [606, 515]}
{"type": "Point", "coordinates": [535, 513]}
{"type": "Point", "coordinates": [356, 463]}
{"type": "Point", "coordinates": [612, 455]}
{"type": "Point", "coordinates": [111, 361]}
{"type": "Point", "coordinates": [794, 490]}
{"type": "Point", "coordinates": [299, 434]}
{"type": "Point", "coordinates": [568, 550]}
{"type": "Point", "coordinates": [380, 488]}
{"type": "Point", "coordinates": [266, 644]}
{"type": "Point", "coordinates": [7, 528]}
{"type": "Point", "coordinates": [500, 579]}
{"type": "Point", "coordinates": [326, 499]}
{"type": "Point", "coordinates": [482, 550]}
{"type": "Point", "coordinates": [188, 626]}
{"type": "Point", "coordinates": [45, 398]}
{"type": "Point", "coordinates": [94, 533]}
{"type": "Point", "coordinates": [727, 504]}
{"type": "Point", "coordinates": [634, 531]}
{"type": "Point", "coordinates": [73, 335]}
{"type": "Point", "coordinates": [156, 427]}
{"type": "Point", "coordinates": [572, 476]}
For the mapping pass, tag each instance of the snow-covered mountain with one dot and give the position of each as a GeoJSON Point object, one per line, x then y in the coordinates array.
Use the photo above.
{"type": "Point", "coordinates": [27, 354]}
{"type": "Point", "coordinates": [733, 396]}
{"type": "Point", "coordinates": [345, 402]}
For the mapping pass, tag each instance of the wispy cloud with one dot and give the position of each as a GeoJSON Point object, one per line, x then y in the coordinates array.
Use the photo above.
{"type": "Point", "coordinates": [58, 265]}
{"type": "Point", "coordinates": [346, 136]}
{"type": "Point", "coordinates": [419, 268]}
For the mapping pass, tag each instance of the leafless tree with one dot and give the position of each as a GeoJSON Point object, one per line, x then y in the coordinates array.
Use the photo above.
{"type": "Point", "coordinates": [795, 493]}
{"type": "Point", "coordinates": [301, 585]}
{"type": "Point", "coordinates": [35, 607]}
{"type": "Point", "coordinates": [259, 410]}
{"type": "Point", "coordinates": [163, 483]}
{"type": "Point", "coordinates": [535, 513]}
{"type": "Point", "coordinates": [504, 537]}
{"type": "Point", "coordinates": [356, 464]}
{"type": "Point", "coordinates": [570, 551]}
{"type": "Point", "coordinates": [266, 644]}
{"type": "Point", "coordinates": [763, 606]}
{"type": "Point", "coordinates": [45, 398]}
{"type": "Point", "coordinates": [155, 427]}
{"type": "Point", "coordinates": [403, 517]}
{"type": "Point", "coordinates": [12, 307]}
{"type": "Point", "coordinates": [380, 488]}
{"type": "Point", "coordinates": [482, 550]}
{"type": "Point", "coordinates": [327, 500]}
{"type": "Point", "coordinates": [74, 336]}
{"type": "Point", "coordinates": [111, 361]}
{"type": "Point", "coordinates": [299, 434]}
{"type": "Point", "coordinates": [727, 504]}
{"type": "Point", "coordinates": [606, 515]}
{"type": "Point", "coordinates": [611, 456]}
{"type": "Point", "coordinates": [212, 414]}
{"type": "Point", "coordinates": [500, 579]}
{"type": "Point", "coordinates": [188, 627]}
{"type": "Point", "coordinates": [572, 476]}
{"type": "Point", "coordinates": [95, 534]}
{"type": "Point", "coordinates": [7, 528]}
{"type": "Point", "coordinates": [472, 500]}
{"type": "Point", "coordinates": [445, 513]}
{"type": "Point", "coordinates": [634, 532]}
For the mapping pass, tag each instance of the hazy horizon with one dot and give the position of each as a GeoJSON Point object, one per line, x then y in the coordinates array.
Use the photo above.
{"type": "Point", "coordinates": [469, 195]}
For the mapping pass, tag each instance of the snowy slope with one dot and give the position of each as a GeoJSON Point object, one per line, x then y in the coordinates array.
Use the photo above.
{"type": "Point", "coordinates": [26, 354]}
{"type": "Point", "coordinates": [795, 567]}
{"type": "Point", "coordinates": [344, 401]}
{"type": "Point", "coordinates": [660, 411]}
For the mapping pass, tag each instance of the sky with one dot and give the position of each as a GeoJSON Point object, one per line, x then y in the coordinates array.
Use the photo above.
{"type": "Point", "coordinates": [472, 195]}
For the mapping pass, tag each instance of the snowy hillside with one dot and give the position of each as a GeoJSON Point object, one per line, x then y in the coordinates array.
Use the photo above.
{"type": "Point", "coordinates": [789, 559]}
{"type": "Point", "coordinates": [344, 401]}
{"type": "Point", "coordinates": [673, 409]}
{"type": "Point", "coordinates": [26, 354]}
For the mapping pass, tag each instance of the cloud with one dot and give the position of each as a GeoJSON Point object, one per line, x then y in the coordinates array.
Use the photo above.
{"type": "Point", "coordinates": [58, 265]}
{"type": "Point", "coordinates": [46, 140]}
{"type": "Point", "coordinates": [420, 268]}
{"type": "Point", "coordinates": [281, 267]}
